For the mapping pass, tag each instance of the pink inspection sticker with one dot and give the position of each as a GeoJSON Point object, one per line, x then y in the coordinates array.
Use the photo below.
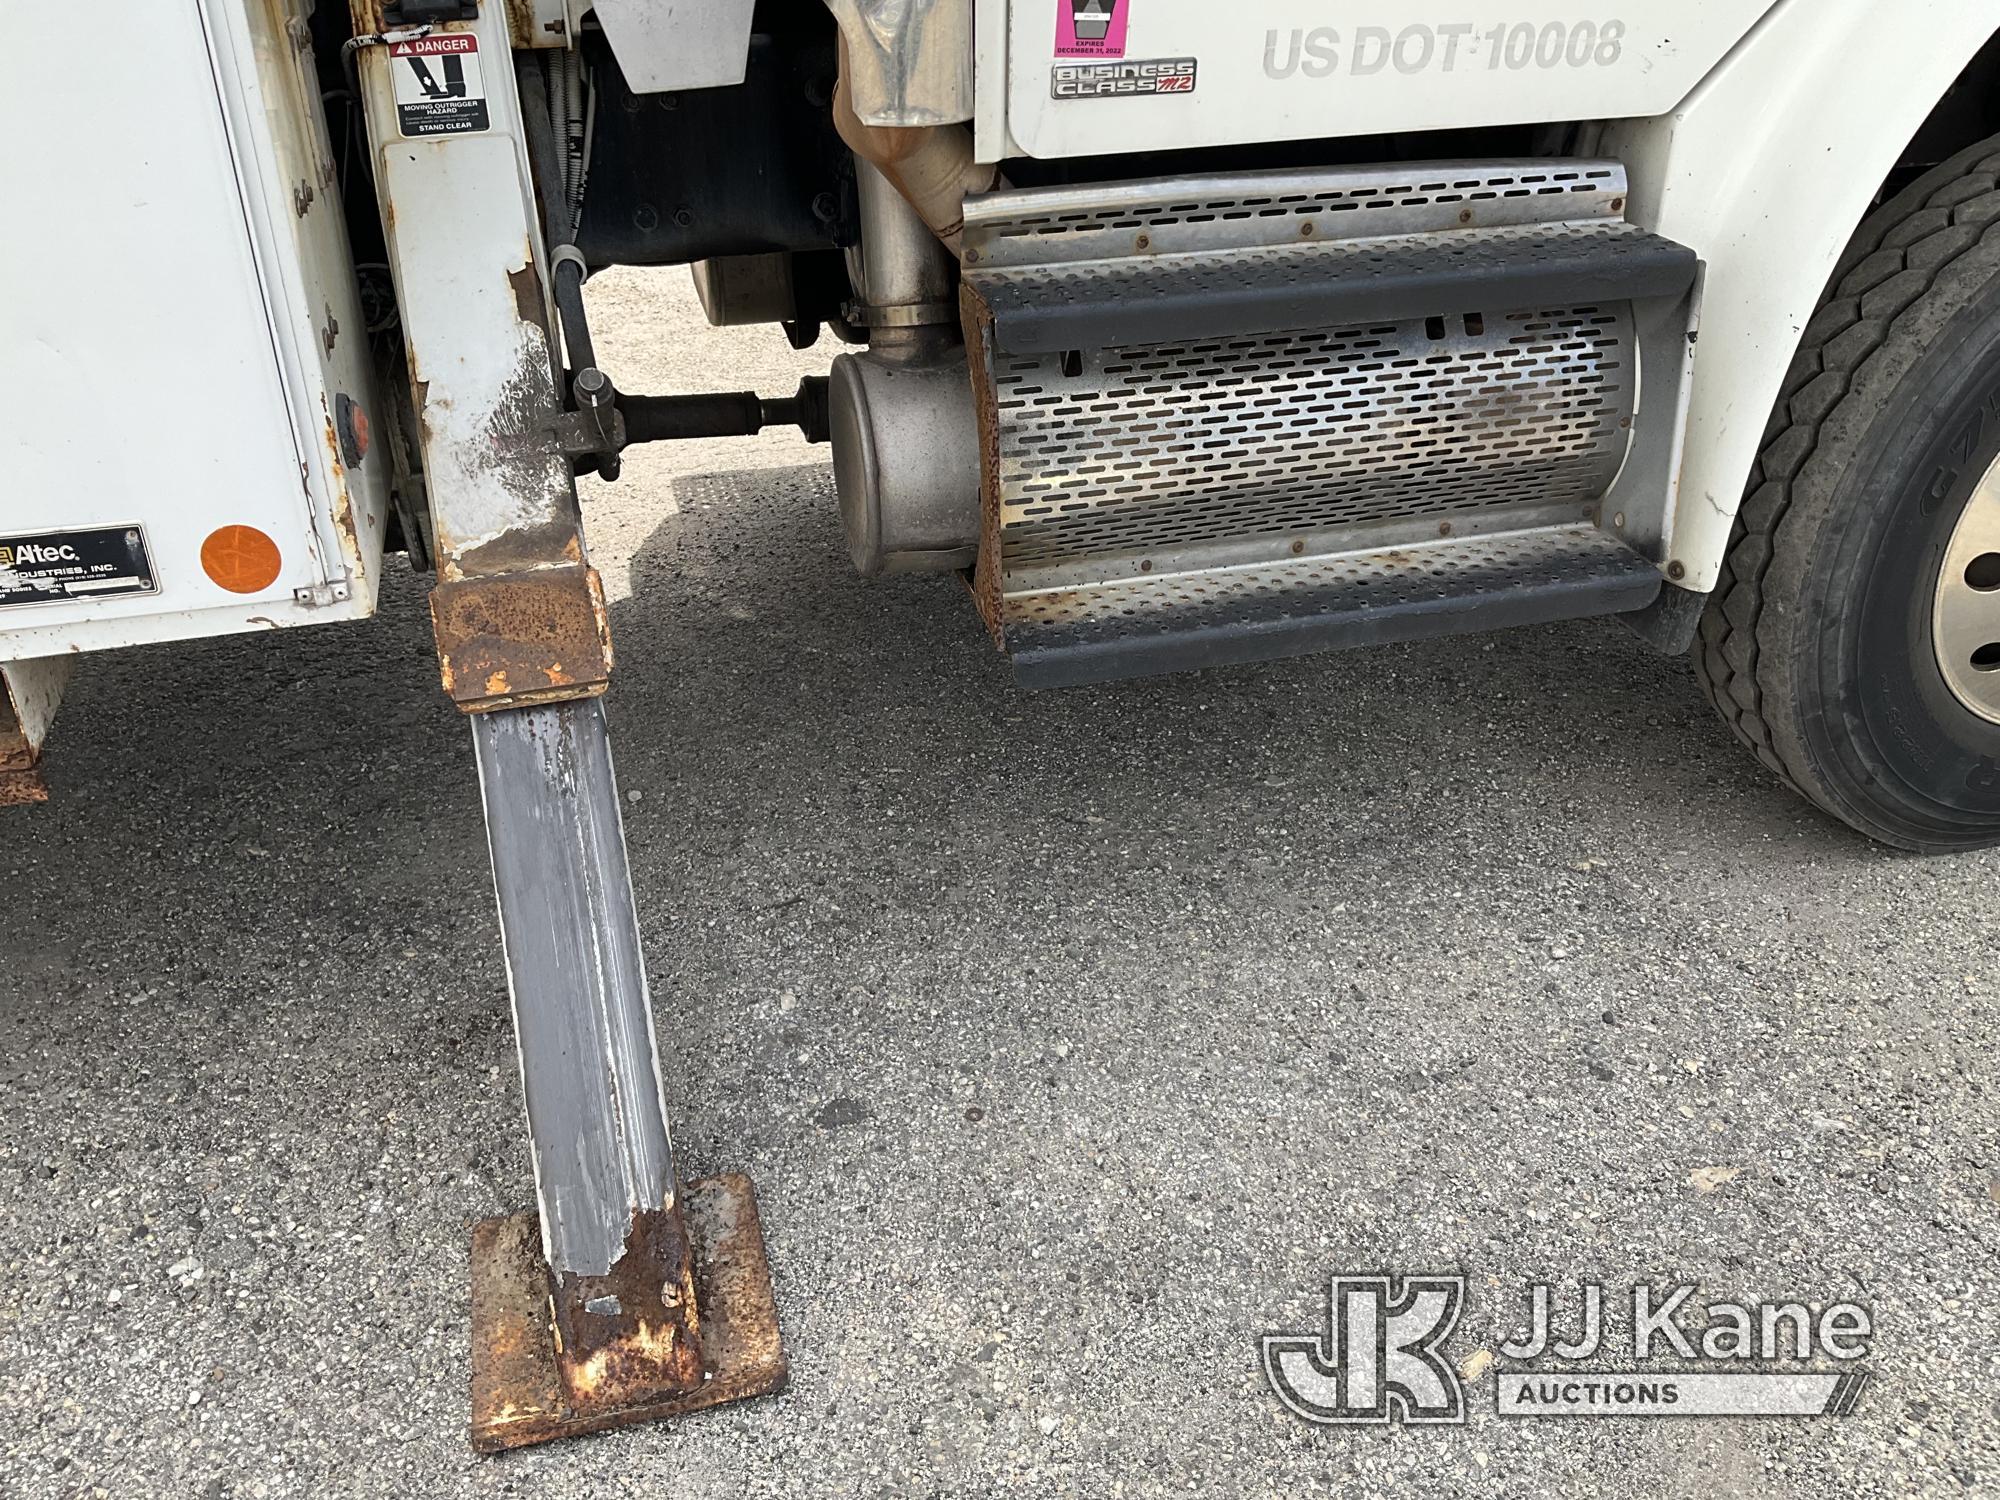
{"type": "Point", "coordinates": [1091, 28]}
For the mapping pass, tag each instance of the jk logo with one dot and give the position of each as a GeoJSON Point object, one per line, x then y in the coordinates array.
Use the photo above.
{"type": "Point", "coordinates": [1380, 1358]}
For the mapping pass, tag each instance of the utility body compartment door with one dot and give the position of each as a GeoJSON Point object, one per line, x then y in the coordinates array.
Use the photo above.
{"type": "Point", "coordinates": [180, 327]}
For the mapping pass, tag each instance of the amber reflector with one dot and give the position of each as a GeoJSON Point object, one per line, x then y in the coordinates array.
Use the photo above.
{"type": "Point", "coordinates": [241, 559]}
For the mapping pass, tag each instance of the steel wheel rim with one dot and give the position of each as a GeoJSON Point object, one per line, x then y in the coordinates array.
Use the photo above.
{"type": "Point", "coordinates": [1965, 620]}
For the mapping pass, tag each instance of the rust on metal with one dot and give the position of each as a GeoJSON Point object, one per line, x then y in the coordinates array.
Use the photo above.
{"type": "Point", "coordinates": [367, 16]}
{"type": "Point", "coordinates": [514, 639]}
{"type": "Point", "coordinates": [521, 22]}
{"type": "Point", "coordinates": [22, 788]}
{"type": "Point", "coordinates": [520, 1393]}
{"type": "Point", "coordinates": [17, 751]}
{"type": "Point", "coordinates": [529, 302]}
{"type": "Point", "coordinates": [633, 1335]}
{"type": "Point", "coordinates": [522, 549]}
{"type": "Point", "coordinates": [20, 782]}
{"type": "Point", "coordinates": [342, 496]}
{"type": "Point", "coordinates": [987, 582]}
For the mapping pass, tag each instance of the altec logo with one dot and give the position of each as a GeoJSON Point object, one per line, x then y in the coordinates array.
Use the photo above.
{"type": "Point", "coordinates": [30, 553]}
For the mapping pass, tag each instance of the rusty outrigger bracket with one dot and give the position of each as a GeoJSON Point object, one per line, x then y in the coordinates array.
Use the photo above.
{"type": "Point", "coordinates": [531, 1384]}
{"type": "Point", "coordinates": [511, 640]}
{"type": "Point", "coordinates": [29, 693]}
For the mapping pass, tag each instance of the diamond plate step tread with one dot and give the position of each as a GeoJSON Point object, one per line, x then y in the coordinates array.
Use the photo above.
{"type": "Point", "coordinates": [1069, 637]}
{"type": "Point", "coordinates": [1101, 303]}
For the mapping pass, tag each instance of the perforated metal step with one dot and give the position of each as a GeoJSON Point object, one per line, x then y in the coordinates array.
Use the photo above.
{"type": "Point", "coordinates": [1202, 296]}
{"type": "Point", "coordinates": [1152, 452]}
{"type": "Point", "coordinates": [1148, 262]}
{"type": "Point", "coordinates": [1239, 417]}
{"type": "Point", "coordinates": [1223, 617]}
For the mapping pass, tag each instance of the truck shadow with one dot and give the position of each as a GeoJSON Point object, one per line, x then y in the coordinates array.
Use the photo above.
{"type": "Point", "coordinates": [766, 697]}
{"type": "Point", "coordinates": [773, 670]}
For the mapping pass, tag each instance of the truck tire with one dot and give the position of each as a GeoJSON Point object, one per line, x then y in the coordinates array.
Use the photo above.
{"type": "Point", "coordinates": [1818, 646]}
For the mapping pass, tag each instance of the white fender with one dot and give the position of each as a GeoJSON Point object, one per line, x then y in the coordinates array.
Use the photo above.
{"type": "Point", "coordinates": [1766, 170]}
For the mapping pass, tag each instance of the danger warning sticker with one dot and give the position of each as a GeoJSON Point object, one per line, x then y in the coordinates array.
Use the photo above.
{"type": "Point", "coordinates": [48, 567]}
{"type": "Point", "coordinates": [439, 90]}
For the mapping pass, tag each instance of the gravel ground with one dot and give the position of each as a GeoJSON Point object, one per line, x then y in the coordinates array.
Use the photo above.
{"type": "Point", "coordinates": [1071, 1039]}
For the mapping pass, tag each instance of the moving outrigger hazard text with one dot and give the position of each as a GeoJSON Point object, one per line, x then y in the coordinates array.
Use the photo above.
{"type": "Point", "coordinates": [439, 90]}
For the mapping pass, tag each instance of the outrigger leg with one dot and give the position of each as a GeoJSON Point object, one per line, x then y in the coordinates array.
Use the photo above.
{"type": "Point", "coordinates": [627, 1296]}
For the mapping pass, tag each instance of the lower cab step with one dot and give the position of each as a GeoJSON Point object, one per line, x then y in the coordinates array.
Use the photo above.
{"type": "Point", "coordinates": [1136, 627]}
{"type": "Point", "coordinates": [1228, 419]}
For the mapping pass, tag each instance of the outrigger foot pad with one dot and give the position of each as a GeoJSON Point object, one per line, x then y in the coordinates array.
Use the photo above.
{"type": "Point", "coordinates": [521, 1394]}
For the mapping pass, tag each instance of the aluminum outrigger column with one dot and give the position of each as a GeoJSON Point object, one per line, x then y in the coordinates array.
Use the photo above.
{"type": "Point", "coordinates": [625, 1296]}
{"type": "Point", "coordinates": [636, 1300]}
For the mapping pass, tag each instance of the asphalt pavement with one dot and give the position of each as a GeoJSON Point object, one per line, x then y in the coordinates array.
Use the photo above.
{"type": "Point", "coordinates": [1072, 1040]}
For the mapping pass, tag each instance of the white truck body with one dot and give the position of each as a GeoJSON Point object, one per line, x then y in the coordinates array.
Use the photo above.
{"type": "Point", "coordinates": [185, 325]}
